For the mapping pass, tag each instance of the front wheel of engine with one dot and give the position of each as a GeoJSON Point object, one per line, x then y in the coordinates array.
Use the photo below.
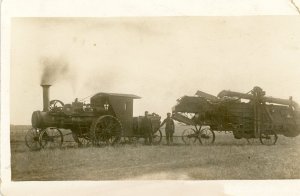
{"type": "Point", "coordinates": [51, 137]}
{"type": "Point", "coordinates": [32, 139]}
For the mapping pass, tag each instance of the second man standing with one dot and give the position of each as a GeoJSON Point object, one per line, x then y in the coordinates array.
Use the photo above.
{"type": "Point", "coordinates": [170, 128]}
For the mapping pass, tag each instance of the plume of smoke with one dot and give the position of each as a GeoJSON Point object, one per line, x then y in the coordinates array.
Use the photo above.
{"type": "Point", "coordinates": [53, 69]}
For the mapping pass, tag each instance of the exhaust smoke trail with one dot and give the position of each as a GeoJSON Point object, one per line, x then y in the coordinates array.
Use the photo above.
{"type": "Point", "coordinates": [53, 69]}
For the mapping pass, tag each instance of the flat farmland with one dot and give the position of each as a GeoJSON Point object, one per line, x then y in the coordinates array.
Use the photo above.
{"type": "Point", "coordinates": [228, 158]}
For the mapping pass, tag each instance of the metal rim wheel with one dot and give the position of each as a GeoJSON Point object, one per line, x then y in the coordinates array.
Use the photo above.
{"type": "Point", "coordinates": [51, 137]}
{"type": "Point", "coordinates": [268, 137]}
{"type": "Point", "coordinates": [106, 130]}
{"type": "Point", "coordinates": [156, 137]}
{"type": "Point", "coordinates": [81, 139]}
{"type": "Point", "coordinates": [32, 139]}
{"type": "Point", "coordinates": [189, 136]}
{"type": "Point", "coordinates": [206, 136]}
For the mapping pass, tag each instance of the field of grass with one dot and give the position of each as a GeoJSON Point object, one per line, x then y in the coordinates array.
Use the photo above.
{"type": "Point", "coordinates": [228, 158]}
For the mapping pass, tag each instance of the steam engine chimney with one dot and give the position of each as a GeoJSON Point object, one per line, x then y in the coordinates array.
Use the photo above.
{"type": "Point", "coordinates": [45, 97]}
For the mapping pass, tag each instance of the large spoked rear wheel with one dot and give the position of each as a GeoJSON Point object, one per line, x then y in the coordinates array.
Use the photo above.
{"type": "Point", "coordinates": [51, 137]}
{"type": "Point", "coordinates": [32, 139]}
{"type": "Point", "coordinates": [206, 136]}
{"type": "Point", "coordinates": [189, 136]}
{"type": "Point", "coordinates": [268, 137]}
{"type": "Point", "coordinates": [106, 130]}
{"type": "Point", "coordinates": [157, 136]}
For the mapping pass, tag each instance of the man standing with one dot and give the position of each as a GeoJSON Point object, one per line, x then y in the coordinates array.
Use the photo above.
{"type": "Point", "coordinates": [146, 125]}
{"type": "Point", "coordinates": [170, 128]}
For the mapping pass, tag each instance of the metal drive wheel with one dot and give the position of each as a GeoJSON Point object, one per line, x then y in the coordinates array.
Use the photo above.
{"type": "Point", "coordinates": [189, 136]}
{"type": "Point", "coordinates": [106, 130]}
{"type": "Point", "coordinates": [206, 136]}
{"type": "Point", "coordinates": [268, 137]}
{"type": "Point", "coordinates": [81, 139]}
{"type": "Point", "coordinates": [32, 139]}
{"type": "Point", "coordinates": [156, 137]}
{"type": "Point", "coordinates": [51, 137]}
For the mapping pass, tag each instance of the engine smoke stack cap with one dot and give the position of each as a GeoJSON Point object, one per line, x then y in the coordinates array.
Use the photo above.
{"type": "Point", "coordinates": [46, 85]}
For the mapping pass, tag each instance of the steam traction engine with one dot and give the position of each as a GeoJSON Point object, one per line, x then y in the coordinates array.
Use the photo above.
{"type": "Point", "coordinates": [251, 115]}
{"type": "Point", "coordinates": [105, 120]}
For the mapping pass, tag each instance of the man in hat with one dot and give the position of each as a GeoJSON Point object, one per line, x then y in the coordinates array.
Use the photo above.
{"type": "Point", "coordinates": [169, 129]}
{"type": "Point", "coordinates": [146, 125]}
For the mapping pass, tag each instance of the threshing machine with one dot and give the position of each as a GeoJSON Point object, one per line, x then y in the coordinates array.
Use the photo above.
{"type": "Point", "coordinates": [247, 115]}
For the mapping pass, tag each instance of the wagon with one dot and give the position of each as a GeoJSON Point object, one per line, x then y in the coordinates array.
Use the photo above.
{"type": "Point", "coordinates": [106, 120]}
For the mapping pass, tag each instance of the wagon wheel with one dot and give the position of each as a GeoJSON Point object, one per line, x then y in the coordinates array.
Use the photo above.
{"type": "Point", "coordinates": [206, 136]}
{"type": "Point", "coordinates": [51, 137]}
{"type": "Point", "coordinates": [32, 139]}
{"type": "Point", "coordinates": [106, 130]}
{"type": "Point", "coordinates": [156, 137]}
{"type": "Point", "coordinates": [81, 139]}
{"type": "Point", "coordinates": [189, 136]}
{"type": "Point", "coordinates": [268, 137]}
{"type": "Point", "coordinates": [55, 105]}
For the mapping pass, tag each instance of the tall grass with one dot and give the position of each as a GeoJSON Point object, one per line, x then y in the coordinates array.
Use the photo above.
{"type": "Point", "coordinates": [226, 159]}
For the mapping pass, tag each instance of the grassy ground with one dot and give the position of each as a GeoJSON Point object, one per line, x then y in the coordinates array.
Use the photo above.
{"type": "Point", "coordinates": [228, 158]}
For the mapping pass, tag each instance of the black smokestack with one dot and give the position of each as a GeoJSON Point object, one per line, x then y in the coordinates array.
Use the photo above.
{"type": "Point", "coordinates": [46, 99]}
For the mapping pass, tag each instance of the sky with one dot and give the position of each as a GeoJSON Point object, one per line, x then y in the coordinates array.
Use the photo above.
{"type": "Point", "coordinates": [157, 58]}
